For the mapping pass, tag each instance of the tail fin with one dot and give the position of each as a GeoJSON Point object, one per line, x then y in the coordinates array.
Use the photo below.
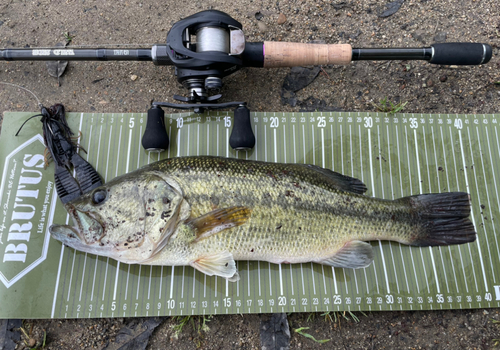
{"type": "Point", "coordinates": [444, 219]}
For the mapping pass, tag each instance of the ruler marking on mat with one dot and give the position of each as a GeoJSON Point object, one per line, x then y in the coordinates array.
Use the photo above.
{"type": "Point", "coordinates": [126, 171]}
{"type": "Point", "coordinates": [333, 168]}
{"type": "Point", "coordinates": [362, 180]}
{"type": "Point", "coordinates": [448, 188]}
{"type": "Point", "coordinates": [85, 258]}
{"type": "Point", "coordinates": [96, 259]}
{"type": "Point", "coordinates": [383, 196]}
{"type": "Point", "coordinates": [116, 174]}
{"type": "Point", "coordinates": [324, 166]}
{"type": "Point", "coordinates": [352, 174]}
{"type": "Point", "coordinates": [419, 174]}
{"type": "Point", "coordinates": [487, 198]}
{"type": "Point", "coordinates": [458, 188]}
{"type": "Point", "coordinates": [411, 193]}
{"type": "Point", "coordinates": [431, 250]}
{"type": "Point", "coordinates": [478, 244]}
{"type": "Point", "coordinates": [496, 189]}
{"type": "Point", "coordinates": [402, 195]}
{"type": "Point", "coordinates": [82, 287]}
{"type": "Point", "coordinates": [62, 250]}
{"type": "Point", "coordinates": [392, 197]}
{"type": "Point", "coordinates": [439, 191]}
{"type": "Point", "coordinates": [305, 159]}
{"type": "Point", "coordinates": [74, 251]}
{"type": "Point", "coordinates": [342, 167]}
{"type": "Point", "coordinates": [373, 194]}
{"type": "Point", "coordinates": [105, 180]}
{"type": "Point", "coordinates": [86, 254]}
{"type": "Point", "coordinates": [472, 213]}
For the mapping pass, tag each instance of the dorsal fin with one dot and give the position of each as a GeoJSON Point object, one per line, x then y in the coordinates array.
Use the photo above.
{"type": "Point", "coordinates": [340, 181]}
{"type": "Point", "coordinates": [218, 220]}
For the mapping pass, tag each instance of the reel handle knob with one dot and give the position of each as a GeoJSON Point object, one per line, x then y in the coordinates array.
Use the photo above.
{"type": "Point", "coordinates": [242, 137]}
{"type": "Point", "coordinates": [155, 138]}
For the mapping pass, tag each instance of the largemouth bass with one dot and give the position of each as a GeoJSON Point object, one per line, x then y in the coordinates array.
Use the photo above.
{"type": "Point", "coordinates": [207, 212]}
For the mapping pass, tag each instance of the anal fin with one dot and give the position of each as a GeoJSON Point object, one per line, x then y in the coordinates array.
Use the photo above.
{"type": "Point", "coordinates": [353, 255]}
{"type": "Point", "coordinates": [220, 264]}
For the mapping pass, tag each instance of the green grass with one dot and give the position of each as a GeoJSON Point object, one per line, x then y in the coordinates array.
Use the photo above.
{"type": "Point", "coordinates": [27, 336]}
{"type": "Point", "coordinates": [68, 37]}
{"type": "Point", "coordinates": [337, 316]}
{"type": "Point", "coordinates": [307, 335]}
{"type": "Point", "coordinates": [328, 316]}
{"type": "Point", "coordinates": [177, 328]}
{"type": "Point", "coordinates": [199, 324]}
{"type": "Point", "coordinates": [496, 342]}
{"type": "Point", "coordinates": [387, 106]}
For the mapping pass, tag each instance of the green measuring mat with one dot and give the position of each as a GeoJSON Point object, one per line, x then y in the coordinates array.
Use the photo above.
{"type": "Point", "coordinates": [394, 156]}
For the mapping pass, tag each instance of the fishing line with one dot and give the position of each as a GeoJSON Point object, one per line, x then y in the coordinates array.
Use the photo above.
{"type": "Point", "coordinates": [25, 89]}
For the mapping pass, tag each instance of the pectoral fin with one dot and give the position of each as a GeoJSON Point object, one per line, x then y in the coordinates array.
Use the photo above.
{"type": "Point", "coordinates": [218, 220]}
{"type": "Point", "coordinates": [221, 264]}
{"type": "Point", "coordinates": [353, 255]}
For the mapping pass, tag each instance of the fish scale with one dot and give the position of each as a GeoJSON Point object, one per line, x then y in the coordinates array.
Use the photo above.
{"type": "Point", "coordinates": [317, 207]}
{"type": "Point", "coordinates": [231, 209]}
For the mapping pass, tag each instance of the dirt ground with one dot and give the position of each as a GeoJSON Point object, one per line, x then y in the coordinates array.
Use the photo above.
{"type": "Point", "coordinates": [130, 86]}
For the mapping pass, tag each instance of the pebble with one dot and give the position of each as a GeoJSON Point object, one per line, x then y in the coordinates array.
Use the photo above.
{"type": "Point", "coordinates": [440, 37]}
{"type": "Point", "coordinates": [281, 18]}
{"type": "Point", "coordinates": [32, 342]}
{"type": "Point", "coordinates": [443, 78]}
{"type": "Point", "coordinates": [133, 77]}
{"type": "Point", "coordinates": [419, 36]}
{"type": "Point", "coordinates": [430, 83]}
{"type": "Point", "coordinates": [262, 27]}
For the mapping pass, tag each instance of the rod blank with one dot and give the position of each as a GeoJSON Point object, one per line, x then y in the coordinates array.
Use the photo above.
{"type": "Point", "coordinates": [275, 54]}
{"type": "Point", "coordinates": [392, 54]}
{"type": "Point", "coordinates": [68, 54]}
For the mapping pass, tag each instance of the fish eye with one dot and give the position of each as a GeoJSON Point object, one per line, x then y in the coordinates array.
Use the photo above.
{"type": "Point", "coordinates": [99, 196]}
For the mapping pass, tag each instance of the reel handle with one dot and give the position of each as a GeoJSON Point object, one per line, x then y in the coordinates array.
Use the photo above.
{"type": "Point", "coordinates": [155, 138]}
{"type": "Point", "coordinates": [242, 137]}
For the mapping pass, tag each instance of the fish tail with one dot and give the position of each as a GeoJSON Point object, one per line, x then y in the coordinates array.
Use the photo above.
{"type": "Point", "coordinates": [444, 219]}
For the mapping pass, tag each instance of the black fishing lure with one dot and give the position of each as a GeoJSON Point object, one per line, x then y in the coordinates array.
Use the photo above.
{"type": "Point", "coordinates": [73, 175]}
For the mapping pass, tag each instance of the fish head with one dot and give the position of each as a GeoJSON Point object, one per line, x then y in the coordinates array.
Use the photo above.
{"type": "Point", "coordinates": [128, 219]}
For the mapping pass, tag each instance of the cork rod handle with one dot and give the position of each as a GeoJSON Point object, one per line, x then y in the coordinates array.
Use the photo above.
{"type": "Point", "coordinates": [283, 54]}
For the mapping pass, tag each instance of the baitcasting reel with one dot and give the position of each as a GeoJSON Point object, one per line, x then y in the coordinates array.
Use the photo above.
{"type": "Point", "coordinates": [204, 48]}
{"type": "Point", "coordinates": [209, 45]}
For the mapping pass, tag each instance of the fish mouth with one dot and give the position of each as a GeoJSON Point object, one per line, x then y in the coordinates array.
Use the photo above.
{"type": "Point", "coordinates": [86, 225]}
{"type": "Point", "coordinates": [68, 235]}
{"type": "Point", "coordinates": [64, 232]}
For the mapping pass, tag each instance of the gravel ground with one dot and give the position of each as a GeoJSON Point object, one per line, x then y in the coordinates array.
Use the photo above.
{"type": "Point", "coordinates": [128, 87]}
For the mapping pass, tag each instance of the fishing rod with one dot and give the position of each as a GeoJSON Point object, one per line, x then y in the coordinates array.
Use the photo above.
{"type": "Point", "coordinates": [210, 45]}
